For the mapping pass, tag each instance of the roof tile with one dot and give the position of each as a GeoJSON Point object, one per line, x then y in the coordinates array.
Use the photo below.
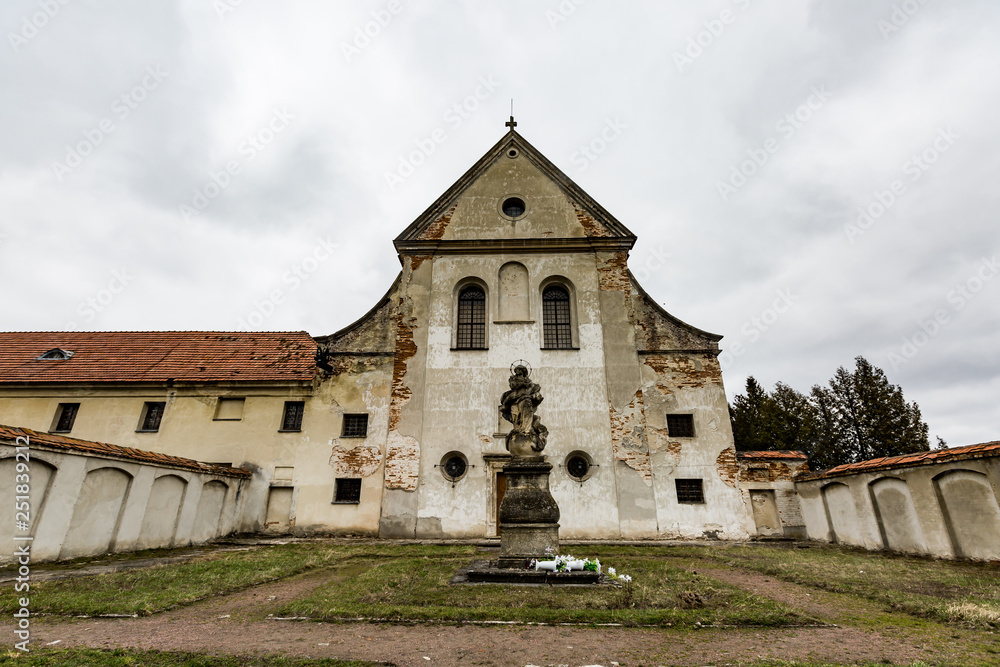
{"type": "Point", "coordinates": [158, 356]}
{"type": "Point", "coordinates": [61, 442]}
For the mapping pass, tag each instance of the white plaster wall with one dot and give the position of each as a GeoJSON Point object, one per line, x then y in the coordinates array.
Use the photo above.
{"type": "Point", "coordinates": [916, 515]}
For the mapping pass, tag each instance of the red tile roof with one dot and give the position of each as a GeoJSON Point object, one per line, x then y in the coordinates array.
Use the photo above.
{"type": "Point", "coordinates": [982, 450]}
{"type": "Point", "coordinates": [62, 443]}
{"type": "Point", "coordinates": [774, 454]}
{"type": "Point", "coordinates": [158, 356]}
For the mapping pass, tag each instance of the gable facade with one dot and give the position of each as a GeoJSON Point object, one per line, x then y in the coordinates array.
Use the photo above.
{"type": "Point", "coordinates": [399, 431]}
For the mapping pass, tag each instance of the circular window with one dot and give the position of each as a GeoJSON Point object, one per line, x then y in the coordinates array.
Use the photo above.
{"type": "Point", "coordinates": [454, 465]}
{"type": "Point", "coordinates": [512, 152]}
{"type": "Point", "coordinates": [579, 466]}
{"type": "Point", "coordinates": [513, 207]}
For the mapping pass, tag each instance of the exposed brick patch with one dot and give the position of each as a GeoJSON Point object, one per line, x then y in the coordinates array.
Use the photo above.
{"type": "Point", "coordinates": [402, 462]}
{"type": "Point", "coordinates": [770, 471]}
{"type": "Point", "coordinates": [359, 461]}
{"type": "Point", "coordinates": [660, 440]}
{"type": "Point", "coordinates": [628, 437]}
{"type": "Point", "coordinates": [612, 272]}
{"type": "Point", "coordinates": [685, 370]}
{"type": "Point", "coordinates": [590, 226]}
{"type": "Point", "coordinates": [727, 467]}
{"type": "Point", "coordinates": [486, 440]}
{"type": "Point", "coordinates": [435, 230]}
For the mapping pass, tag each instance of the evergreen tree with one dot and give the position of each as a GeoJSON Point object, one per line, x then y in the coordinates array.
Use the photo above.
{"type": "Point", "coordinates": [750, 415]}
{"type": "Point", "coordinates": [860, 416]}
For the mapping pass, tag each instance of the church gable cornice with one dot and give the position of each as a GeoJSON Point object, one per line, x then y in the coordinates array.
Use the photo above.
{"type": "Point", "coordinates": [427, 230]}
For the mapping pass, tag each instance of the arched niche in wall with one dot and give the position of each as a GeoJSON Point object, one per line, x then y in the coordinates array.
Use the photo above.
{"type": "Point", "coordinates": [40, 476]}
{"type": "Point", "coordinates": [95, 517]}
{"type": "Point", "coordinates": [209, 514]}
{"type": "Point", "coordinates": [971, 512]}
{"type": "Point", "coordinates": [842, 514]}
{"type": "Point", "coordinates": [513, 293]}
{"type": "Point", "coordinates": [896, 516]}
{"type": "Point", "coordinates": [159, 523]}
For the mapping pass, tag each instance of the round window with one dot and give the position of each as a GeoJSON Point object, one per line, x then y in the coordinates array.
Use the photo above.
{"type": "Point", "coordinates": [579, 466]}
{"type": "Point", "coordinates": [513, 207]}
{"type": "Point", "coordinates": [454, 466]}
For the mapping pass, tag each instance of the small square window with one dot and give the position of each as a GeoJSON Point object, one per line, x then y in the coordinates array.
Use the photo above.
{"type": "Point", "coordinates": [348, 490]}
{"type": "Point", "coordinates": [355, 426]}
{"type": "Point", "coordinates": [689, 491]}
{"type": "Point", "coordinates": [152, 414]}
{"type": "Point", "coordinates": [229, 409]}
{"type": "Point", "coordinates": [292, 419]}
{"type": "Point", "coordinates": [680, 426]}
{"type": "Point", "coordinates": [65, 416]}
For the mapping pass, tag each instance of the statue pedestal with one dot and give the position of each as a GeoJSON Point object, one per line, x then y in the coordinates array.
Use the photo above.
{"type": "Point", "coordinates": [529, 516]}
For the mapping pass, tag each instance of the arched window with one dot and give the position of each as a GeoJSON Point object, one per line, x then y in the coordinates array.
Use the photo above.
{"type": "Point", "coordinates": [471, 319]}
{"type": "Point", "coordinates": [556, 329]}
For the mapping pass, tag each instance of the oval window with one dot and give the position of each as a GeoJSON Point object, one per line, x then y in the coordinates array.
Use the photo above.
{"type": "Point", "coordinates": [579, 466]}
{"type": "Point", "coordinates": [454, 466]}
{"type": "Point", "coordinates": [513, 207]}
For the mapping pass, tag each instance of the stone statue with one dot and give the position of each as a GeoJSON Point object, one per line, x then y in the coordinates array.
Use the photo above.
{"type": "Point", "coordinates": [518, 407]}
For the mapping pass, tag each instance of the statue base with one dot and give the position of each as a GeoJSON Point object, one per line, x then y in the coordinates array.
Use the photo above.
{"type": "Point", "coordinates": [529, 516]}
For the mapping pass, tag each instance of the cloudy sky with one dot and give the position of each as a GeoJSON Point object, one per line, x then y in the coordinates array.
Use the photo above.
{"type": "Point", "coordinates": [813, 180]}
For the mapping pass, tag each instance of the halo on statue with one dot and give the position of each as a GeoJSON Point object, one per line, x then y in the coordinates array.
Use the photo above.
{"type": "Point", "coordinates": [520, 362]}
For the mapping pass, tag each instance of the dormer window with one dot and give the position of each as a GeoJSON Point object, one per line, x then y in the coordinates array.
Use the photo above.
{"type": "Point", "coordinates": [56, 353]}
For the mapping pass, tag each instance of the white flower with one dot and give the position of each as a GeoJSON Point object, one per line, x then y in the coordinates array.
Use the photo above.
{"type": "Point", "coordinates": [612, 572]}
{"type": "Point", "coordinates": [625, 578]}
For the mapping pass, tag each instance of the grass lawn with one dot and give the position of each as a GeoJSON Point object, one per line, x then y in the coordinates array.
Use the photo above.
{"type": "Point", "coordinates": [954, 592]}
{"type": "Point", "coordinates": [416, 588]}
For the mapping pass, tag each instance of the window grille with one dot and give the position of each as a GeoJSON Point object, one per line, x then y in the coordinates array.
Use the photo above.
{"type": "Point", "coordinates": [556, 331]}
{"type": "Point", "coordinates": [471, 319]}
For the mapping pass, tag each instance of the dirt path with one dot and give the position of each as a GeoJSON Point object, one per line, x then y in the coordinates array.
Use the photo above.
{"type": "Point", "coordinates": [239, 624]}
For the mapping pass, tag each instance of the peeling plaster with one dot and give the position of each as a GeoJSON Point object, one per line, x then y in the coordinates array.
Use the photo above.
{"type": "Point", "coordinates": [628, 438]}
{"type": "Point", "coordinates": [727, 467]}
{"type": "Point", "coordinates": [402, 462]}
{"type": "Point", "coordinates": [612, 273]}
{"type": "Point", "coordinates": [591, 227]}
{"type": "Point", "coordinates": [435, 230]}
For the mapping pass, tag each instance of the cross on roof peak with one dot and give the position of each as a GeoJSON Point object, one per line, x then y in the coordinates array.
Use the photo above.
{"type": "Point", "coordinates": [511, 123]}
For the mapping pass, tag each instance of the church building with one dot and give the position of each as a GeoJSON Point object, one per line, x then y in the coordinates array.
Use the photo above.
{"type": "Point", "coordinates": [391, 426]}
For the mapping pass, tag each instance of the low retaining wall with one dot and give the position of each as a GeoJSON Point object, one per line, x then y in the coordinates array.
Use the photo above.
{"type": "Point", "coordinates": [941, 503]}
{"type": "Point", "coordinates": [80, 498]}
